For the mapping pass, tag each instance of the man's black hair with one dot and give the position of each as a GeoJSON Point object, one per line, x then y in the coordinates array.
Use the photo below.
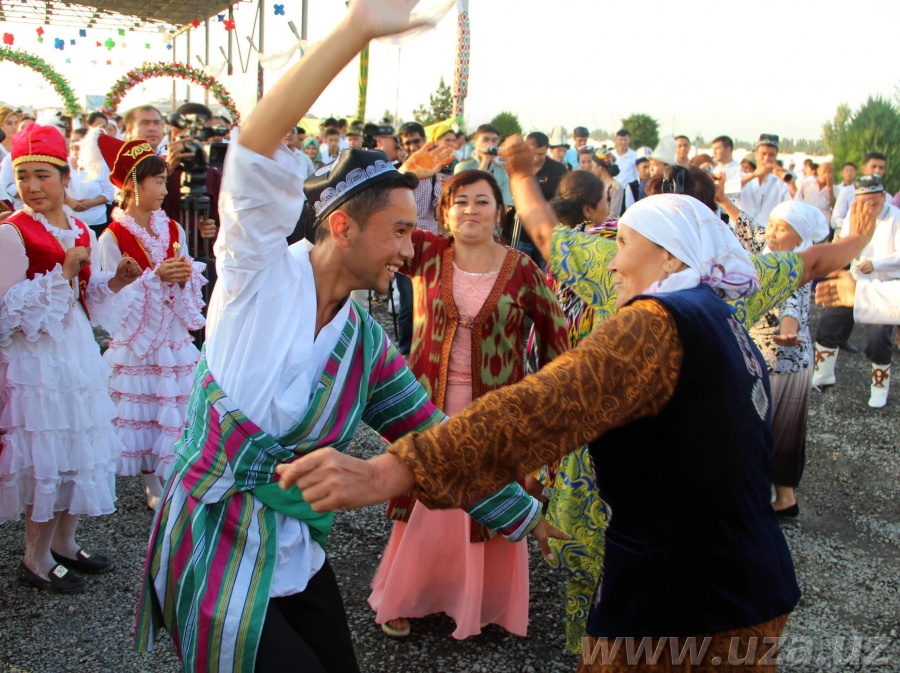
{"type": "Point", "coordinates": [411, 129]}
{"type": "Point", "coordinates": [94, 116]}
{"type": "Point", "coordinates": [725, 140]}
{"type": "Point", "coordinates": [874, 155]}
{"type": "Point", "coordinates": [623, 132]}
{"type": "Point", "coordinates": [540, 139]}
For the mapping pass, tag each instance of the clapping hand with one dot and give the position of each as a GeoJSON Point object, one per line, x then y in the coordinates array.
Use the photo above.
{"type": "Point", "coordinates": [76, 258]}
{"type": "Point", "coordinates": [517, 157]}
{"type": "Point", "coordinates": [174, 270]}
{"type": "Point", "coordinates": [428, 160]}
{"type": "Point", "coordinates": [838, 290]}
{"type": "Point", "coordinates": [863, 216]}
{"type": "Point", "coordinates": [378, 18]}
{"type": "Point", "coordinates": [127, 271]}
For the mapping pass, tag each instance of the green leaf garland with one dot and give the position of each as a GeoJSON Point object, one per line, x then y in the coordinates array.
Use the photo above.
{"type": "Point", "coordinates": [45, 70]}
{"type": "Point", "coordinates": [179, 70]}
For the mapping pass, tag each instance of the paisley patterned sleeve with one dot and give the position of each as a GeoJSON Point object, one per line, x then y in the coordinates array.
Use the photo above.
{"type": "Point", "coordinates": [581, 261]}
{"type": "Point", "coordinates": [750, 234]}
{"type": "Point", "coordinates": [625, 370]}
{"type": "Point", "coordinates": [779, 275]}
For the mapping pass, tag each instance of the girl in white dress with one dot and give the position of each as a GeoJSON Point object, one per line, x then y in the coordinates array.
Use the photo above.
{"type": "Point", "coordinates": [58, 448]}
{"type": "Point", "coordinates": [152, 353]}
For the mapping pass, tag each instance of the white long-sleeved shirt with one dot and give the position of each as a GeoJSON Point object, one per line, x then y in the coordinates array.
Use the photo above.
{"type": "Point", "coordinates": [758, 200]}
{"type": "Point", "coordinates": [877, 302]}
{"type": "Point", "coordinates": [884, 248]}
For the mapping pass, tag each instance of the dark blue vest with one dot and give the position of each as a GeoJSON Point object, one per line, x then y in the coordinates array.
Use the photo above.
{"type": "Point", "coordinates": [693, 545]}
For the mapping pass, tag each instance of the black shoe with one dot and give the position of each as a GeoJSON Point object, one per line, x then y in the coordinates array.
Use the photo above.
{"type": "Point", "coordinates": [88, 564]}
{"type": "Point", "coordinates": [791, 512]}
{"type": "Point", "coordinates": [849, 347]}
{"type": "Point", "coordinates": [62, 580]}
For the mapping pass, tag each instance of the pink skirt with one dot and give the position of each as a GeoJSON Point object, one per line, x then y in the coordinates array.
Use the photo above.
{"type": "Point", "coordinates": [430, 566]}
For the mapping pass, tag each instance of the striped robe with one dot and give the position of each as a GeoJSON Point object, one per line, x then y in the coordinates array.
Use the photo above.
{"type": "Point", "coordinates": [213, 548]}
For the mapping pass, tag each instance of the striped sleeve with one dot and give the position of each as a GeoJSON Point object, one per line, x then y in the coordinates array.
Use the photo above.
{"type": "Point", "coordinates": [398, 404]}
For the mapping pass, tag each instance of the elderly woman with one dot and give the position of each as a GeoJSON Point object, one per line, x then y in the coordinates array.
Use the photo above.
{"type": "Point", "coordinates": [634, 390]}
{"type": "Point", "coordinates": [472, 298]}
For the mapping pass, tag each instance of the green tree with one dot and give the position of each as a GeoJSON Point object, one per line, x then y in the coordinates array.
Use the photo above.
{"type": "Point", "coordinates": [507, 123]}
{"type": "Point", "coordinates": [643, 128]}
{"type": "Point", "coordinates": [838, 126]}
{"type": "Point", "coordinates": [874, 127]}
{"type": "Point", "coordinates": [440, 106]}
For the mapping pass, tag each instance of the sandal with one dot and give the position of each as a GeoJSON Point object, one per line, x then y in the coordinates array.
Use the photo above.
{"type": "Point", "coordinates": [88, 564]}
{"type": "Point", "coordinates": [395, 633]}
{"type": "Point", "coordinates": [62, 580]}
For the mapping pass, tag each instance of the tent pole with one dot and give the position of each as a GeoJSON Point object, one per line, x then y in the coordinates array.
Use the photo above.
{"type": "Point", "coordinates": [303, 19]}
{"type": "Point", "coordinates": [174, 61]}
{"type": "Point", "coordinates": [187, 59]}
{"type": "Point", "coordinates": [206, 56]}
{"type": "Point", "coordinates": [260, 50]}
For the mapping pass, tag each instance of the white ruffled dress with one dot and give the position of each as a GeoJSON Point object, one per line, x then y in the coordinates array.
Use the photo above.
{"type": "Point", "coordinates": [152, 354]}
{"type": "Point", "coordinates": [58, 447]}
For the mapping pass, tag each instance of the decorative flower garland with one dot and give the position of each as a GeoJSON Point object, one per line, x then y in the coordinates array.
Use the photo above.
{"type": "Point", "coordinates": [45, 70]}
{"type": "Point", "coordinates": [179, 70]}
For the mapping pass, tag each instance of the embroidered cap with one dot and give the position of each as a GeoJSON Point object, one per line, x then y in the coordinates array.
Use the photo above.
{"type": "Point", "coordinates": [352, 172]}
{"type": "Point", "coordinates": [769, 139]}
{"type": "Point", "coordinates": [869, 184]}
{"type": "Point", "coordinates": [39, 143]}
{"type": "Point", "coordinates": [123, 157]}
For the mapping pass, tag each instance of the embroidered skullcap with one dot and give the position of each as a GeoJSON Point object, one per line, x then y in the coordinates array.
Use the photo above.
{"type": "Point", "coordinates": [44, 144]}
{"type": "Point", "coordinates": [697, 236]}
{"type": "Point", "coordinates": [869, 184]}
{"type": "Point", "coordinates": [352, 172]}
{"type": "Point", "coordinates": [769, 139]}
{"type": "Point", "coordinates": [809, 222]}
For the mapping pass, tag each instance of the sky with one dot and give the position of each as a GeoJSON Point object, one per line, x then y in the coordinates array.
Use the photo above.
{"type": "Point", "coordinates": [700, 67]}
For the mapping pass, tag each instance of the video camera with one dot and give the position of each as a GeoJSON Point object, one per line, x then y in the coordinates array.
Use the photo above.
{"type": "Point", "coordinates": [370, 130]}
{"type": "Point", "coordinates": [192, 117]}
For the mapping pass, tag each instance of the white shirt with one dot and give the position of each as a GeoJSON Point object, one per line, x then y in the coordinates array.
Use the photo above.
{"type": "Point", "coordinates": [8, 182]}
{"type": "Point", "coordinates": [810, 192]}
{"type": "Point", "coordinates": [325, 153]}
{"type": "Point", "coordinates": [307, 165]}
{"type": "Point", "coordinates": [884, 248]}
{"type": "Point", "coordinates": [625, 162]}
{"type": "Point", "coordinates": [877, 302]}
{"type": "Point", "coordinates": [81, 187]}
{"type": "Point", "coordinates": [759, 200]}
{"type": "Point", "coordinates": [732, 173]}
{"type": "Point", "coordinates": [261, 345]}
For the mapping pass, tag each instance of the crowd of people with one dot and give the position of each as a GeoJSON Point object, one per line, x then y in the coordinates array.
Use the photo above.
{"type": "Point", "coordinates": [594, 345]}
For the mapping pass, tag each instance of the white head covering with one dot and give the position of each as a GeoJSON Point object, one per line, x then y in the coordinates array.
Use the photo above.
{"type": "Point", "coordinates": [698, 237]}
{"type": "Point", "coordinates": [808, 221]}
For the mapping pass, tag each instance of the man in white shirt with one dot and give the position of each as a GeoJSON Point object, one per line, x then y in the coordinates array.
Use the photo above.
{"type": "Point", "coordinates": [879, 260]}
{"type": "Point", "coordinates": [294, 144]}
{"type": "Point", "coordinates": [291, 366]}
{"type": "Point", "coordinates": [682, 151]}
{"type": "Point", "coordinates": [764, 188]}
{"type": "Point", "coordinates": [625, 158]}
{"type": "Point", "coordinates": [723, 149]}
{"type": "Point", "coordinates": [819, 190]}
{"type": "Point", "coordinates": [874, 163]}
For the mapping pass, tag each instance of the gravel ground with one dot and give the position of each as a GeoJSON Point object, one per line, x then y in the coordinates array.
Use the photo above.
{"type": "Point", "coordinates": [846, 547]}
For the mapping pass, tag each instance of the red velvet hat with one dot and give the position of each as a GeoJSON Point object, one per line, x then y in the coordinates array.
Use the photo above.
{"type": "Point", "coordinates": [39, 143]}
{"type": "Point", "coordinates": [123, 157]}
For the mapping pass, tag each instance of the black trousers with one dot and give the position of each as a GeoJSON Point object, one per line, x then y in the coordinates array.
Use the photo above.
{"type": "Point", "coordinates": [831, 332]}
{"type": "Point", "coordinates": [308, 632]}
{"type": "Point", "coordinates": [405, 313]}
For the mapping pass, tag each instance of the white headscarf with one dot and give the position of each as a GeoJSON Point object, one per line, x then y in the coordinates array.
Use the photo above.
{"type": "Point", "coordinates": [808, 221]}
{"type": "Point", "coordinates": [698, 237]}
